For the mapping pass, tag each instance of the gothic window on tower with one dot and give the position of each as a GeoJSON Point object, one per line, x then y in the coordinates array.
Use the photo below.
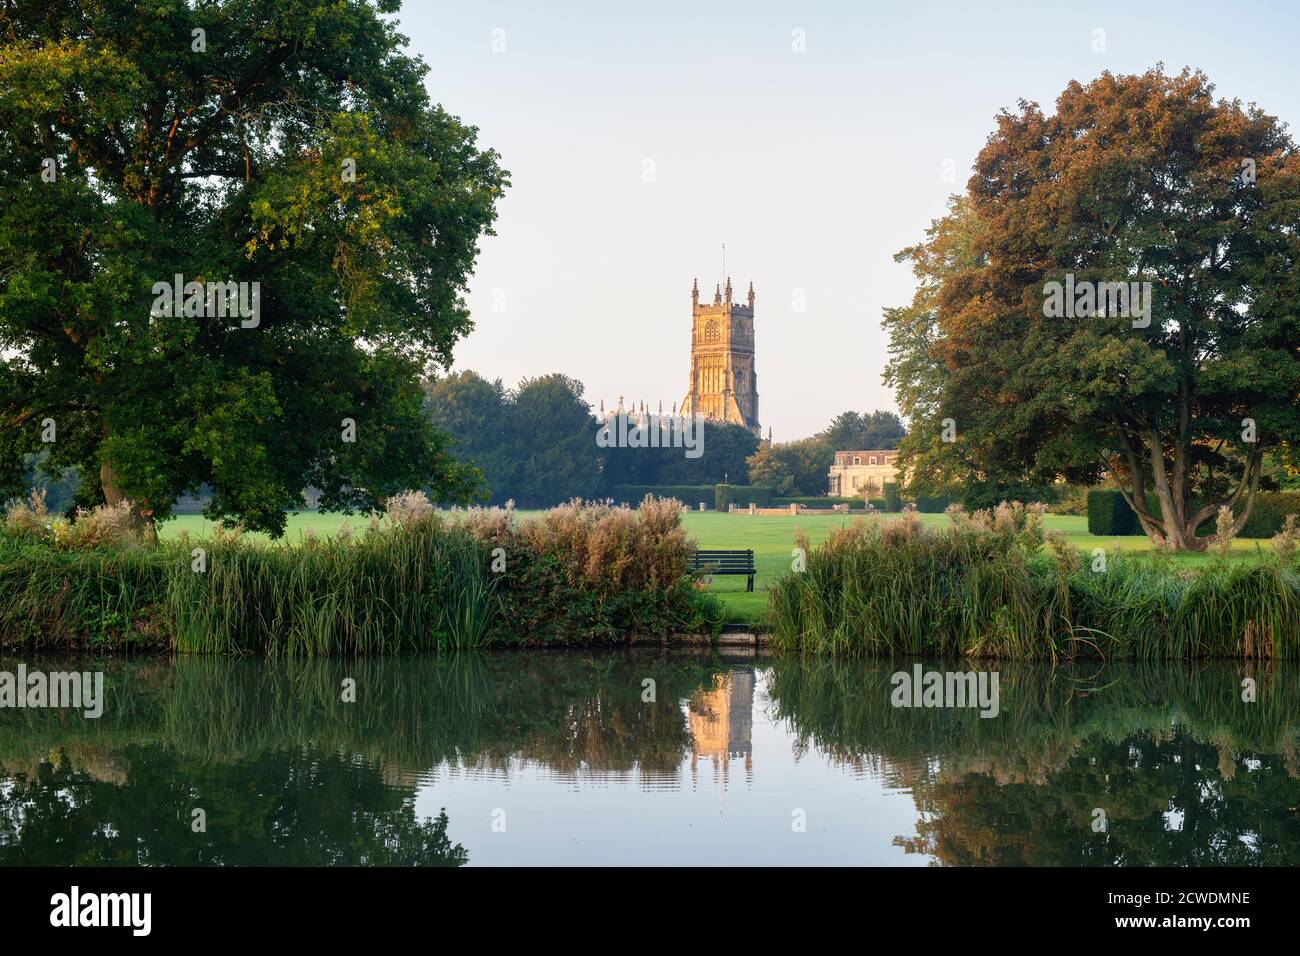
{"type": "Point", "coordinates": [711, 332]}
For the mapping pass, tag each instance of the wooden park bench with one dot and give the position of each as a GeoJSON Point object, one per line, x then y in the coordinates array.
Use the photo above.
{"type": "Point", "coordinates": [726, 562]}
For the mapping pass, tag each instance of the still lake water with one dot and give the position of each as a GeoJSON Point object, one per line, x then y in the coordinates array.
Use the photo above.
{"type": "Point", "coordinates": [650, 757]}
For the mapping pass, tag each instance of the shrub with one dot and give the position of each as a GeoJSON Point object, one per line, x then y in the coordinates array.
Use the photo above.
{"type": "Point", "coordinates": [104, 526]}
{"type": "Point", "coordinates": [893, 498]}
{"type": "Point", "coordinates": [932, 505]}
{"type": "Point", "coordinates": [688, 495]}
{"type": "Point", "coordinates": [409, 509]}
{"type": "Point", "coordinates": [60, 598]}
{"type": "Point", "coordinates": [1109, 514]}
{"type": "Point", "coordinates": [416, 579]}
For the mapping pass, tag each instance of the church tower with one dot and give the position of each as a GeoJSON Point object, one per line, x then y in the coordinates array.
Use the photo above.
{"type": "Point", "coordinates": [723, 385]}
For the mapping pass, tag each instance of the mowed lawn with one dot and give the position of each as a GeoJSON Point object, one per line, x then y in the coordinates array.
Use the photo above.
{"type": "Point", "coordinates": [770, 536]}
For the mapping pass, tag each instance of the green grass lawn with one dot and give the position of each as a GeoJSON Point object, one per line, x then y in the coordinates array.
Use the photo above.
{"type": "Point", "coordinates": [770, 536]}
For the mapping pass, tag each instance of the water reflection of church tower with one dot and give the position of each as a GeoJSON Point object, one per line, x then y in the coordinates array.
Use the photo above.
{"type": "Point", "coordinates": [722, 721]}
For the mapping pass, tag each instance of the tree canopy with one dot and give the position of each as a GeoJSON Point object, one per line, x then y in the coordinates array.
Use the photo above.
{"type": "Point", "coordinates": [283, 157]}
{"type": "Point", "coordinates": [1171, 222]}
{"type": "Point", "coordinates": [534, 444]}
{"type": "Point", "coordinates": [802, 467]}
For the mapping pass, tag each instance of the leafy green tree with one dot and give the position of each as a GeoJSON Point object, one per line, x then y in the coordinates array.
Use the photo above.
{"type": "Point", "coordinates": [1177, 390]}
{"type": "Point", "coordinates": [287, 143]}
{"type": "Point", "coordinates": [535, 444]}
{"type": "Point", "coordinates": [475, 413]}
{"type": "Point", "coordinates": [868, 431]}
{"type": "Point", "coordinates": [553, 436]}
{"type": "Point", "coordinates": [726, 450]}
{"type": "Point", "coordinates": [793, 468]}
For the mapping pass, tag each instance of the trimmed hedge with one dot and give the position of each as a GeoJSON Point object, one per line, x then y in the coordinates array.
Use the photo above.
{"type": "Point", "coordinates": [893, 497]}
{"type": "Point", "coordinates": [742, 495]}
{"type": "Point", "coordinates": [932, 504]}
{"type": "Point", "coordinates": [1269, 513]}
{"type": "Point", "coordinates": [1110, 515]}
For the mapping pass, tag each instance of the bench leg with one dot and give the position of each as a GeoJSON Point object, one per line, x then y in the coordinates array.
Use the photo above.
{"type": "Point", "coordinates": [751, 583]}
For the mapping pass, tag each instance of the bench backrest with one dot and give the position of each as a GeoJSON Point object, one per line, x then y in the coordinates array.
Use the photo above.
{"type": "Point", "coordinates": [724, 560]}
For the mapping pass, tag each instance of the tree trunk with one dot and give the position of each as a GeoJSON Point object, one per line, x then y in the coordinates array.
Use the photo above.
{"type": "Point", "coordinates": [113, 496]}
{"type": "Point", "coordinates": [1176, 527]}
{"type": "Point", "coordinates": [108, 480]}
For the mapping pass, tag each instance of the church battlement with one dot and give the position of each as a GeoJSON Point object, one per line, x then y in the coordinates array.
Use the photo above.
{"type": "Point", "coordinates": [723, 384]}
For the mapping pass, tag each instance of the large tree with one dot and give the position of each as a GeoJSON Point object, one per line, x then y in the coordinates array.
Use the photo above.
{"type": "Point", "coordinates": [1177, 393]}
{"type": "Point", "coordinates": [797, 467]}
{"type": "Point", "coordinates": [535, 444]}
{"type": "Point", "coordinates": [854, 431]}
{"type": "Point", "coordinates": [288, 143]}
{"type": "Point", "coordinates": [725, 450]}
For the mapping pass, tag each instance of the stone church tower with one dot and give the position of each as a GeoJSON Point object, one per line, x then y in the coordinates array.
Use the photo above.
{"type": "Point", "coordinates": [723, 385]}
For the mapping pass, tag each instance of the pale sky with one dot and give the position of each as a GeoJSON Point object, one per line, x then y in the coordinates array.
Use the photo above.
{"type": "Point", "coordinates": [813, 167]}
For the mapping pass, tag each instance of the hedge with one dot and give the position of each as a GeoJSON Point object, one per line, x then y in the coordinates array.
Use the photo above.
{"type": "Point", "coordinates": [1110, 515]}
{"type": "Point", "coordinates": [932, 505]}
{"type": "Point", "coordinates": [893, 497]}
{"type": "Point", "coordinates": [1269, 513]}
{"type": "Point", "coordinates": [742, 495]}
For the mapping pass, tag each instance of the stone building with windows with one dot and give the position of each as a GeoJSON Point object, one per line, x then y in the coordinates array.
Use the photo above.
{"type": "Point", "coordinates": [862, 472]}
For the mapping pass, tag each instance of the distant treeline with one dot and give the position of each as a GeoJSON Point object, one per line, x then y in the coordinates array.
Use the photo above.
{"type": "Point", "coordinates": [535, 444]}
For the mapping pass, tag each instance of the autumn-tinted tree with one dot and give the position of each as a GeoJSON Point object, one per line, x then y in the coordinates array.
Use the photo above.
{"type": "Point", "coordinates": [288, 143]}
{"type": "Point", "coordinates": [1145, 180]}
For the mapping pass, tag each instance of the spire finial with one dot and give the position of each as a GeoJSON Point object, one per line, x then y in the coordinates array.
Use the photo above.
{"type": "Point", "coordinates": [751, 294]}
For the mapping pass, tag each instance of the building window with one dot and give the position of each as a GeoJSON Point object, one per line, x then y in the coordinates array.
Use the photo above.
{"type": "Point", "coordinates": [857, 459]}
{"type": "Point", "coordinates": [873, 459]}
{"type": "Point", "coordinates": [711, 331]}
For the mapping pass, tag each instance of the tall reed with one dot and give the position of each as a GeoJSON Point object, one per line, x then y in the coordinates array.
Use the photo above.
{"type": "Point", "coordinates": [984, 588]}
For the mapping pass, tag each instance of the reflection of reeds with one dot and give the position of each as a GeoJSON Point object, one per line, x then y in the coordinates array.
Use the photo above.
{"type": "Point", "coordinates": [968, 591]}
{"type": "Point", "coordinates": [411, 712]}
{"type": "Point", "coordinates": [1045, 714]}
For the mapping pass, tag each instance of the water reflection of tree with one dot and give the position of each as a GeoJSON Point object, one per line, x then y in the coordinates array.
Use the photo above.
{"type": "Point", "coordinates": [1185, 771]}
{"type": "Point", "coordinates": [290, 773]}
{"type": "Point", "coordinates": [283, 808]}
